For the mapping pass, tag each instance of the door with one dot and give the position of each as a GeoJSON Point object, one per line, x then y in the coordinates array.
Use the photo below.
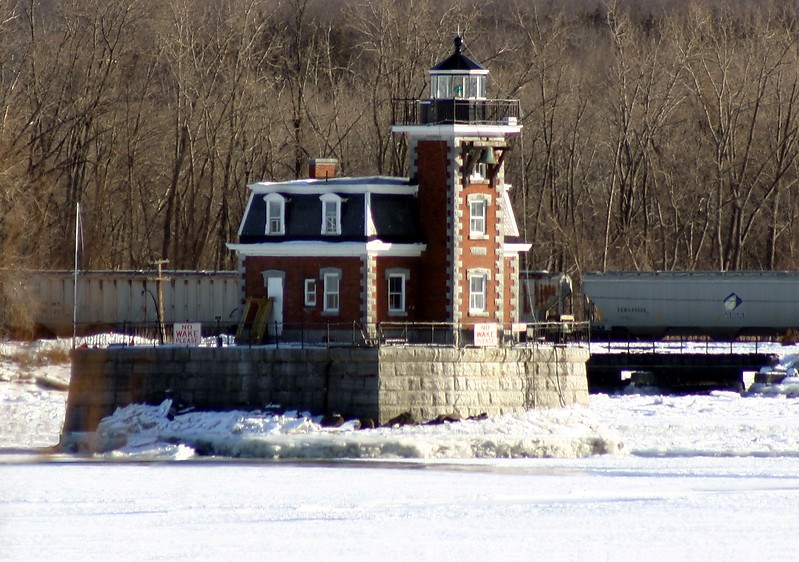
{"type": "Point", "coordinates": [274, 290]}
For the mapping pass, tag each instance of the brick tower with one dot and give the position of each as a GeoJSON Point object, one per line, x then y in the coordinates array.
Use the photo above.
{"type": "Point", "coordinates": [458, 142]}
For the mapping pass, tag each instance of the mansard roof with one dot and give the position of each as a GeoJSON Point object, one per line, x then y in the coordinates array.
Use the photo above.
{"type": "Point", "coordinates": [372, 208]}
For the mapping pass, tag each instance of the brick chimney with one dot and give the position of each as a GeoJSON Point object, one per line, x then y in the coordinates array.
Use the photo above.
{"type": "Point", "coordinates": [322, 168]}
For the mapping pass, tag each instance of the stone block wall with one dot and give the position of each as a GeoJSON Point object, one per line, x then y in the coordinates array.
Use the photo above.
{"type": "Point", "coordinates": [428, 382]}
{"type": "Point", "coordinates": [342, 380]}
{"type": "Point", "coordinates": [357, 383]}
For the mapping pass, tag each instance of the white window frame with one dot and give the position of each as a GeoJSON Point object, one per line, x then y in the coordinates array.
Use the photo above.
{"type": "Point", "coordinates": [478, 292]}
{"type": "Point", "coordinates": [477, 220]}
{"type": "Point", "coordinates": [392, 275]}
{"type": "Point", "coordinates": [310, 292]}
{"type": "Point", "coordinates": [275, 224]}
{"type": "Point", "coordinates": [331, 290]}
{"type": "Point", "coordinates": [331, 227]}
{"type": "Point", "coordinates": [393, 295]}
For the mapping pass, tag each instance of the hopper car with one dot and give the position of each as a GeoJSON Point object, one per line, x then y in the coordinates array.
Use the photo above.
{"type": "Point", "coordinates": [719, 305]}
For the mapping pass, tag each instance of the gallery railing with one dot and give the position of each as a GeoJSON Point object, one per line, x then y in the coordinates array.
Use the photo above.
{"type": "Point", "coordinates": [455, 111]}
{"type": "Point", "coordinates": [347, 334]}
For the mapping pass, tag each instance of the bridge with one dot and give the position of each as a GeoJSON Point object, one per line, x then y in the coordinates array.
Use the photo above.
{"type": "Point", "coordinates": [690, 369]}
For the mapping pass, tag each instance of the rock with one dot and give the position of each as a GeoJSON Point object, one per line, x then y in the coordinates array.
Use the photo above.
{"type": "Point", "coordinates": [444, 418]}
{"type": "Point", "coordinates": [332, 420]}
{"type": "Point", "coordinates": [405, 418]}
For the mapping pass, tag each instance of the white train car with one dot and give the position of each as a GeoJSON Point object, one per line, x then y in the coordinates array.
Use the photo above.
{"type": "Point", "coordinates": [114, 298]}
{"type": "Point", "coordinates": [717, 304]}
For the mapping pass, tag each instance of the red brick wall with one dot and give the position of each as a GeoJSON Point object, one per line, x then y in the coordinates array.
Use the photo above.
{"type": "Point", "coordinates": [432, 175]}
{"type": "Point", "coordinates": [487, 261]}
{"type": "Point", "coordinates": [297, 269]}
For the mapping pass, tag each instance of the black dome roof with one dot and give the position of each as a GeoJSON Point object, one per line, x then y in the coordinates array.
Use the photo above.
{"type": "Point", "coordinates": [458, 61]}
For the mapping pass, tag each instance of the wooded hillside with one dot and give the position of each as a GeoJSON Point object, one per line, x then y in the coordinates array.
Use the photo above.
{"type": "Point", "coordinates": [657, 135]}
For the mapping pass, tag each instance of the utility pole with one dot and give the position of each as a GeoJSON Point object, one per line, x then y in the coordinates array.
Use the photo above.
{"type": "Point", "coordinates": [160, 290]}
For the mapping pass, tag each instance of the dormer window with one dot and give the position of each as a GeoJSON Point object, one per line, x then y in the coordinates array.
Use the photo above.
{"type": "Point", "coordinates": [275, 214]}
{"type": "Point", "coordinates": [331, 214]}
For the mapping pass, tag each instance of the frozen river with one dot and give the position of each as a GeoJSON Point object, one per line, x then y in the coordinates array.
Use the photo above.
{"type": "Point", "coordinates": [688, 478]}
{"type": "Point", "coordinates": [599, 508]}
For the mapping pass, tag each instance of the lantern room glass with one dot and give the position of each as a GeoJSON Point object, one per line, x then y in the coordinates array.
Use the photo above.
{"type": "Point", "coordinates": [457, 86]}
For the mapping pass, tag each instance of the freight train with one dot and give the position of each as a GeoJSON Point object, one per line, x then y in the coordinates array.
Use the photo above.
{"type": "Point", "coordinates": [719, 305]}
{"type": "Point", "coordinates": [110, 299]}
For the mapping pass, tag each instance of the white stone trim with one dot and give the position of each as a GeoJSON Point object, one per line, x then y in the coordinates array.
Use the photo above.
{"type": "Point", "coordinates": [509, 249]}
{"type": "Point", "coordinates": [368, 297]}
{"type": "Point", "coordinates": [369, 228]}
{"type": "Point", "coordinates": [454, 216]}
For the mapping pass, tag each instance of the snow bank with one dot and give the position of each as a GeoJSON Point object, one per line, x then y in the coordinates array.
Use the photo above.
{"type": "Point", "coordinates": [720, 424]}
{"type": "Point", "coordinates": [138, 431]}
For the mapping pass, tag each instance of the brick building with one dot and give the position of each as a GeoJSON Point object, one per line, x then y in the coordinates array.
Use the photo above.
{"type": "Point", "coordinates": [440, 246]}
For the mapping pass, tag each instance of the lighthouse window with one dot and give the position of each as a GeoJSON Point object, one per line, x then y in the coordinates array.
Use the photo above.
{"type": "Point", "coordinates": [477, 87]}
{"type": "Point", "coordinates": [457, 87]}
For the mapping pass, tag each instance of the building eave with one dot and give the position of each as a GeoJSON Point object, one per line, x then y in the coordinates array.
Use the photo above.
{"type": "Point", "coordinates": [515, 248]}
{"type": "Point", "coordinates": [375, 184]}
{"type": "Point", "coordinates": [327, 249]}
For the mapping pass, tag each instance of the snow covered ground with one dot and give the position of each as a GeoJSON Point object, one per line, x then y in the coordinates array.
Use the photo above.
{"type": "Point", "coordinates": [634, 476]}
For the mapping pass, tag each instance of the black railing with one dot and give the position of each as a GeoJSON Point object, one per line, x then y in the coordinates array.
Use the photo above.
{"type": "Point", "coordinates": [352, 334]}
{"type": "Point", "coordinates": [452, 111]}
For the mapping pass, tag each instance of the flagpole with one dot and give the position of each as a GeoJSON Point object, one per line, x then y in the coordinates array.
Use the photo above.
{"type": "Point", "coordinates": [75, 279]}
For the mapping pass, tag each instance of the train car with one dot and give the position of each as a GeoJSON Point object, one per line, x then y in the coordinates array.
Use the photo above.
{"type": "Point", "coordinates": [545, 296]}
{"type": "Point", "coordinates": [721, 305]}
{"type": "Point", "coordinates": [114, 298]}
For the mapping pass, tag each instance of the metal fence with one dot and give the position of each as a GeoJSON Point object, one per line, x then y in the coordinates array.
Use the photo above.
{"type": "Point", "coordinates": [352, 334]}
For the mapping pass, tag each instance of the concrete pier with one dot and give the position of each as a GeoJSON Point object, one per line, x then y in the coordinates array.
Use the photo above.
{"type": "Point", "coordinates": [376, 383]}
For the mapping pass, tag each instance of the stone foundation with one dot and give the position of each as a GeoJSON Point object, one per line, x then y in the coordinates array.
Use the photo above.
{"type": "Point", "coordinates": [379, 384]}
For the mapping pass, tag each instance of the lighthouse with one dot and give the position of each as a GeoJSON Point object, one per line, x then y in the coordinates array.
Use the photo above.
{"type": "Point", "coordinates": [458, 144]}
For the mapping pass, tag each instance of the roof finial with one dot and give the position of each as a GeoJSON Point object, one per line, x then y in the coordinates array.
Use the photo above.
{"type": "Point", "coordinates": [458, 41]}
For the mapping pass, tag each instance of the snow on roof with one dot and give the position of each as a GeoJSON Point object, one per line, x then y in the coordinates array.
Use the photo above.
{"type": "Point", "coordinates": [365, 184]}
